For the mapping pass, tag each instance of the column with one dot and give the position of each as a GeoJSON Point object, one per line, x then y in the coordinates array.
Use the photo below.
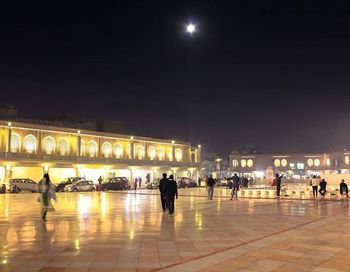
{"type": "Point", "coordinates": [78, 144]}
{"type": "Point", "coordinates": [39, 144]}
{"type": "Point", "coordinates": [131, 156]}
{"type": "Point", "coordinates": [199, 151]}
{"type": "Point", "coordinates": [173, 151]}
{"type": "Point", "coordinates": [8, 148]}
{"type": "Point", "coordinates": [8, 175]}
{"type": "Point", "coordinates": [146, 151]}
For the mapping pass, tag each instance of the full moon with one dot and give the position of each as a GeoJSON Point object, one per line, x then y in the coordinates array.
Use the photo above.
{"type": "Point", "coordinates": [191, 28]}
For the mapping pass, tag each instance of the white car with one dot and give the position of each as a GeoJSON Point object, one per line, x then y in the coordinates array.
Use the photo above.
{"type": "Point", "coordinates": [81, 186]}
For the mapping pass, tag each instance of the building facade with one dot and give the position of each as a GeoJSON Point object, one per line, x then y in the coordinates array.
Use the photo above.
{"type": "Point", "coordinates": [294, 166]}
{"type": "Point", "coordinates": [30, 150]}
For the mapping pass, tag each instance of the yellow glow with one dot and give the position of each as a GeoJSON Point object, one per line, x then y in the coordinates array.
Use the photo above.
{"type": "Point", "coordinates": [140, 151]}
{"type": "Point", "coordinates": [49, 145]}
{"type": "Point", "coordinates": [310, 162]}
{"type": "Point", "coordinates": [118, 150]}
{"type": "Point", "coordinates": [328, 162]}
{"type": "Point", "coordinates": [235, 163]}
{"type": "Point", "coordinates": [152, 152]}
{"type": "Point", "coordinates": [84, 205]}
{"type": "Point", "coordinates": [199, 146]}
{"type": "Point", "coordinates": [250, 163]}
{"type": "Point", "coordinates": [284, 162]}
{"type": "Point", "coordinates": [317, 162]}
{"type": "Point", "coordinates": [9, 124]}
{"type": "Point", "coordinates": [160, 154]}
{"type": "Point", "coordinates": [63, 147]}
{"type": "Point", "coordinates": [77, 244]}
{"type": "Point", "coordinates": [347, 160]}
{"type": "Point", "coordinates": [92, 146]}
{"type": "Point", "coordinates": [4, 261]}
{"type": "Point", "coordinates": [243, 163]}
{"type": "Point", "coordinates": [277, 162]}
{"type": "Point", "coordinates": [173, 142]}
{"type": "Point", "coordinates": [131, 234]}
{"type": "Point", "coordinates": [107, 149]}
{"type": "Point", "coordinates": [30, 143]}
{"type": "Point", "coordinates": [178, 154]}
{"type": "Point", "coordinates": [15, 142]}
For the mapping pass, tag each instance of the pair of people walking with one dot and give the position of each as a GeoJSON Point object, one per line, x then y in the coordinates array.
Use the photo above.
{"type": "Point", "coordinates": [168, 192]}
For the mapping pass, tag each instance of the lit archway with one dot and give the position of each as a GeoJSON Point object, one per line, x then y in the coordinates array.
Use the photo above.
{"type": "Point", "coordinates": [63, 147]}
{"type": "Point", "coordinates": [49, 144]}
{"type": "Point", "coordinates": [29, 143]}
{"type": "Point", "coordinates": [107, 149]}
{"type": "Point", "coordinates": [15, 143]}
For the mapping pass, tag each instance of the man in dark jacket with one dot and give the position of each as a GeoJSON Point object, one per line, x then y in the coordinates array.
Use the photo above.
{"type": "Point", "coordinates": [170, 193]}
{"type": "Point", "coordinates": [162, 184]}
{"type": "Point", "coordinates": [210, 187]}
{"type": "Point", "coordinates": [343, 188]}
{"type": "Point", "coordinates": [278, 184]}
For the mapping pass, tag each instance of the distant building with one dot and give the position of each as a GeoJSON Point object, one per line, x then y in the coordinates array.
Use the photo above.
{"type": "Point", "coordinates": [332, 166]}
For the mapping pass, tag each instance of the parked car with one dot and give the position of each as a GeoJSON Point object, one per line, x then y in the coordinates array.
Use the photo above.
{"type": "Point", "coordinates": [153, 184]}
{"type": "Point", "coordinates": [23, 184]}
{"type": "Point", "coordinates": [222, 182]}
{"type": "Point", "coordinates": [115, 184]}
{"type": "Point", "coordinates": [183, 182]}
{"type": "Point", "coordinates": [81, 185]}
{"type": "Point", "coordinates": [60, 187]}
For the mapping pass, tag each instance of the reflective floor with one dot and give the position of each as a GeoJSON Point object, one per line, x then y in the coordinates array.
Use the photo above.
{"type": "Point", "coordinates": [117, 231]}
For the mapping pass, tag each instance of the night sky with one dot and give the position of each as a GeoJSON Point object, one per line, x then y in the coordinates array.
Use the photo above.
{"type": "Point", "coordinates": [275, 74]}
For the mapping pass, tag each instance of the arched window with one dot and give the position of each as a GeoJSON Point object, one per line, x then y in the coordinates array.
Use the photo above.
{"type": "Point", "coordinates": [310, 162]}
{"type": "Point", "coordinates": [49, 145]}
{"type": "Point", "coordinates": [63, 147]}
{"type": "Point", "coordinates": [178, 154]}
{"type": "Point", "coordinates": [29, 143]}
{"type": "Point", "coordinates": [107, 149]}
{"type": "Point", "coordinates": [140, 152]}
{"type": "Point", "coordinates": [235, 163]}
{"type": "Point", "coordinates": [92, 149]}
{"type": "Point", "coordinates": [152, 152]}
{"type": "Point", "coordinates": [15, 142]}
{"type": "Point", "coordinates": [82, 148]}
{"type": "Point", "coordinates": [250, 163]}
{"type": "Point", "coordinates": [243, 163]}
{"type": "Point", "coordinates": [328, 162]}
{"type": "Point", "coordinates": [277, 163]}
{"type": "Point", "coordinates": [284, 162]}
{"type": "Point", "coordinates": [347, 160]}
{"type": "Point", "coordinates": [118, 151]}
{"type": "Point", "coordinates": [193, 157]}
{"type": "Point", "coordinates": [317, 162]}
{"type": "Point", "coordinates": [160, 154]}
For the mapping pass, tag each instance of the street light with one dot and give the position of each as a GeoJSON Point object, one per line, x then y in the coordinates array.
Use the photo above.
{"type": "Point", "coordinates": [191, 28]}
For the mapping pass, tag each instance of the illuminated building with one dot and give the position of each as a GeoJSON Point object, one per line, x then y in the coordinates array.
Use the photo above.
{"type": "Point", "coordinates": [29, 150]}
{"type": "Point", "coordinates": [332, 166]}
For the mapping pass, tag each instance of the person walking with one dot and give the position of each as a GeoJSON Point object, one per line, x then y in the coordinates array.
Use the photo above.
{"type": "Point", "coordinates": [162, 184]}
{"type": "Point", "coordinates": [314, 184]}
{"type": "Point", "coordinates": [135, 184]}
{"type": "Point", "coordinates": [278, 184]}
{"type": "Point", "coordinates": [235, 186]}
{"type": "Point", "coordinates": [47, 192]}
{"type": "Point", "coordinates": [100, 179]}
{"type": "Point", "coordinates": [170, 194]}
{"type": "Point", "coordinates": [140, 182]}
{"type": "Point", "coordinates": [343, 187]}
{"type": "Point", "coordinates": [210, 187]}
{"type": "Point", "coordinates": [323, 186]}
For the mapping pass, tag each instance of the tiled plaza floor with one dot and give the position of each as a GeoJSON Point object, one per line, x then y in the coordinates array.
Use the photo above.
{"type": "Point", "coordinates": [116, 231]}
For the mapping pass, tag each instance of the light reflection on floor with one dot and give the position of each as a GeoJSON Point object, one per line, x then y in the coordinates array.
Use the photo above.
{"type": "Point", "coordinates": [128, 232]}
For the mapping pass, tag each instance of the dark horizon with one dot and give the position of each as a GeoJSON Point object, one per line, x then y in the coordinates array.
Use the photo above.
{"type": "Point", "coordinates": [272, 74]}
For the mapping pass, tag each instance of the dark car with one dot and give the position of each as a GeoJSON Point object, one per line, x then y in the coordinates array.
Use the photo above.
{"type": "Point", "coordinates": [184, 182]}
{"type": "Point", "coordinates": [60, 187]}
{"type": "Point", "coordinates": [115, 184]}
{"type": "Point", "coordinates": [153, 184]}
